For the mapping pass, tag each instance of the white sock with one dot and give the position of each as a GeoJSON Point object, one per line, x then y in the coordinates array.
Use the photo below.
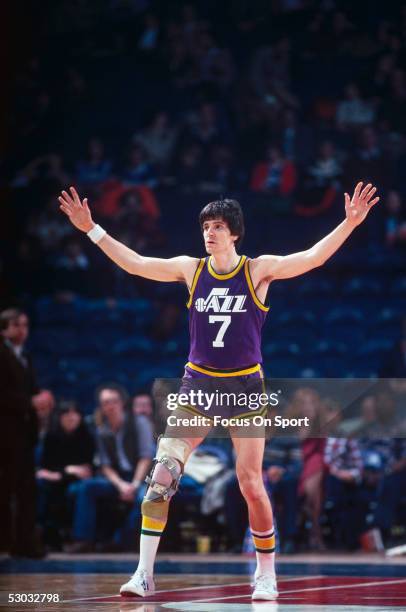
{"type": "Point", "coordinates": [265, 560]}
{"type": "Point", "coordinates": [148, 550]}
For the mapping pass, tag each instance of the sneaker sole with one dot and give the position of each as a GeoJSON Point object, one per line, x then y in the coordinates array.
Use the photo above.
{"type": "Point", "coordinates": [134, 591]}
{"type": "Point", "coordinates": [265, 596]}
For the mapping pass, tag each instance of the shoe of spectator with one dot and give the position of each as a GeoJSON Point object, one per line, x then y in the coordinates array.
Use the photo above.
{"type": "Point", "coordinates": [265, 587]}
{"type": "Point", "coordinates": [139, 584]}
{"type": "Point", "coordinates": [75, 548]}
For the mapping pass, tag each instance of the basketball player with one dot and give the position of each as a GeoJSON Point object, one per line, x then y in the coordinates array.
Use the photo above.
{"type": "Point", "coordinates": [221, 345]}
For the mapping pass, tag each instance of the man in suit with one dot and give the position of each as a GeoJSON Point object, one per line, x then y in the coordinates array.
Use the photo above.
{"type": "Point", "coordinates": [20, 397]}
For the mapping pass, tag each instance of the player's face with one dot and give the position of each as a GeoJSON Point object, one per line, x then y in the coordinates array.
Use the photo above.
{"type": "Point", "coordinates": [217, 236]}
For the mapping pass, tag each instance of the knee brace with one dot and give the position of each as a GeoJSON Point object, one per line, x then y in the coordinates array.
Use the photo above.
{"type": "Point", "coordinates": [167, 469]}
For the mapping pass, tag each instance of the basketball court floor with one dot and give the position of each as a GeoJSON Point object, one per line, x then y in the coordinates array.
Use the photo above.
{"type": "Point", "coordinates": [205, 583]}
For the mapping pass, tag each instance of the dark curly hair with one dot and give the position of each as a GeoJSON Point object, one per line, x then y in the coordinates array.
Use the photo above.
{"type": "Point", "coordinates": [228, 211]}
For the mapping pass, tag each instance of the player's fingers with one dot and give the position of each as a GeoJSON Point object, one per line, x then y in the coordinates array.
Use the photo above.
{"type": "Point", "coordinates": [347, 199]}
{"type": "Point", "coordinates": [67, 197]}
{"type": "Point", "coordinates": [75, 195]}
{"type": "Point", "coordinates": [366, 189]}
{"type": "Point", "coordinates": [370, 193]}
{"type": "Point", "coordinates": [357, 189]}
{"type": "Point", "coordinates": [64, 202]}
{"type": "Point", "coordinates": [67, 211]}
{"type": "Point", "coordinates": [374, 201]}
{"type": "Point", "coordinates": [85, 204]}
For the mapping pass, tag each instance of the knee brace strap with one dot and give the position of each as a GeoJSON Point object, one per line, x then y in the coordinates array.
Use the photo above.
{"type": "Point", "coordinates": [158, 491]}
{"type": "Point", "coordinates": [174, 447]}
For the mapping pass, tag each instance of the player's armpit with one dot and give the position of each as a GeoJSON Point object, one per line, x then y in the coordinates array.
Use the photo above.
{"type": "Point", "coordinates": [274, 267]}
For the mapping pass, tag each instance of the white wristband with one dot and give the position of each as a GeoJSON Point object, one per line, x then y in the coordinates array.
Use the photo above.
{"type": "Point", "coordinates": [96, 234]}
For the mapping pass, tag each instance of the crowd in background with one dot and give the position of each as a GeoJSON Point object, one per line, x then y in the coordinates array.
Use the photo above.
{"type": "Point", "coordinates": [77, 482]}
{"type": "Point", "coordinates": [291, 103]}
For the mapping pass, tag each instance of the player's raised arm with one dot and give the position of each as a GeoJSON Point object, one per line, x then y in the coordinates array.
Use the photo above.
{"type": "Point", "coordinates": [180, 268]}
{"type": "Point", "coordinates": [272, 267]}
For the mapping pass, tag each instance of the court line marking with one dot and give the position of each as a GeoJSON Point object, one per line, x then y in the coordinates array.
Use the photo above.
{"type": "Point", "coordinates": [321, 588]}
{"type": "Point", "coordinates": [193, 588]}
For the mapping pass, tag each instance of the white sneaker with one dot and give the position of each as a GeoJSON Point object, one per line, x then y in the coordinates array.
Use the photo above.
{"type": "Point", "coordinates": [139, 584]}
{"type": "Point", "coordinates": [265, 587]}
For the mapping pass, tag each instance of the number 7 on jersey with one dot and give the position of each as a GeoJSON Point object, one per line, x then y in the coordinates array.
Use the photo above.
{"type": "Point", "coordinates": [225, 321]}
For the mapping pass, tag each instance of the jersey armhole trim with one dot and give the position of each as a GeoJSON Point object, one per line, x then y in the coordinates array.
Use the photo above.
{"type": "Point", "coordinates": [252, 290]}
{"type": "Point", "coordinates": [194, 282]}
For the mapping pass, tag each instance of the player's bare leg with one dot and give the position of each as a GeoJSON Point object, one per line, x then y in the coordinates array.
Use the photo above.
{"type": "Point", "coordinates": [250, 452]}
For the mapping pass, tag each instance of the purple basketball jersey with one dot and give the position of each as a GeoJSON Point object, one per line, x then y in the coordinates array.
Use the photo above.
{"type": "Point", "coordinates": [225, 318]}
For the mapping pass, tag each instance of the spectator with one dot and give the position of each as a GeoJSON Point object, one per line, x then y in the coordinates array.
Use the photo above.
{"type": "Point", "coordinates": [124, 456]}
{"type": "Point", "coordinates": [143, 411]}
{"type": "Point", "coordinates": [204, 126]}
{"type": "Point", "coordinates": [296, 138]}
{"type": "Point", "coordinates": [158, 140]}
{"type": "Point", "coordinates": [391, 487]}
{"type": "Point", "coordinates": [394, 104]}
{"type": "Point", "coordinates": [143, 405]}
{"type": "Point", "coordinates": [45, 412]}
{"type": "Point", "coordinates": [219, 68]}
{"type": "Point", "coordinates": [342, 494]}
{"type": "Point", "coordinates": [189, 172]}
{"type": "Point", "coordinates": [395, 361]}
{"type": "Point", "coordinates": [72, 267]}
{"type": "Point", "coordinates": [221, 172]}
{"type": "Point", "coordinates": [367, 419]}
{"type": "Point", "coordinates": [283, 464]}
{"type": "Point", "coordinates": [306, 402]}
{"type": "Point", "coordinates": [67, 457]}
{"type": "Point", "coordinates": [368, 161]}
{"type": "Point", "coordinates": [47, 228]}
{"type": "Point", "coordinates": [48, 168]}
{"type": "Point", "coordinates": [138, 170]}
{"type": "Point", "coordinates": [322, 183]}
{"type": "Point", "coordinates": [395, 222]}
{"type": "Point", "coordinates": [134, 223]}
{"type": "Point", "coordinates": [167, 324]}
{"type": "Point", "coordinates": [149, 37]}
{"type": "Point", "coordinates": [74, 258]}
{"type": "Point", "coordinates": [353, 112]}
{"type": "Point", "coordinates": [96, 168]}
{"type": "Point", "coordinates": [19, 398]}
{"type": "Point", "coordinates": [326, 168]}
{"type": "Point", "coordinates": [114, 198]}
{"type": "Point", "coordinates": [383, 71]}
{"type": "Point", "coordinates": [274, 176]}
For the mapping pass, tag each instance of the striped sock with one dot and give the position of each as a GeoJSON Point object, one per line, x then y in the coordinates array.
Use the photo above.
{"type": "Point", "coordinates": [151, 531]}
{"type": "Point", "coordinates": [264, 542]}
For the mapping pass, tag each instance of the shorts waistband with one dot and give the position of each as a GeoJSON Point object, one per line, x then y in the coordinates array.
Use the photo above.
{"type": "Point", "coordinates": [224, 373]}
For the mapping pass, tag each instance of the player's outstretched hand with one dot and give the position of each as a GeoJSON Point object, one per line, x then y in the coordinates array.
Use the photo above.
{"type": "Point", "coordinates": [77, 211]}
{"type": "Point", "coordinates": [357, 208]}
